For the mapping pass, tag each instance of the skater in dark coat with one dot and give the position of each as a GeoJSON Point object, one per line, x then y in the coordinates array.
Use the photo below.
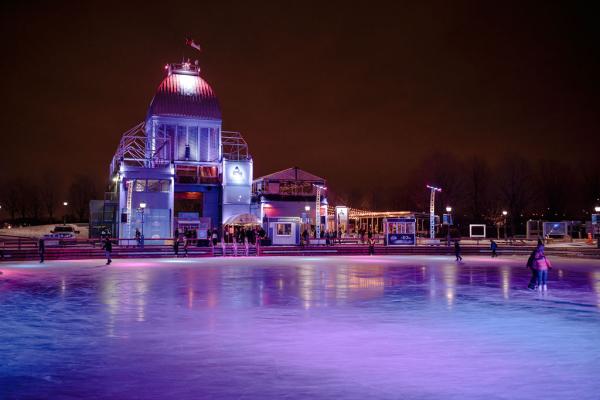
{"type": "Point", "coordinates": [457, 251]}
{"type": "Point", "coordinates": [493, 247]}
{"type": "Point", "coordinates": [107, 246]}
{"type": "Point", "coordinates": [41, 249]}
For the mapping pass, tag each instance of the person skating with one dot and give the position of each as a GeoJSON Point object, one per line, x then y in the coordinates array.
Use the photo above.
{"type": "Point", "coordinates": [304, 241]}
{"type": "Point", "coordinates": [542, 265]}
{"type": "Point", "coordinates": [41, 249]}
{"type": "Point", "coordinates": [138, 237]}
{"type": "Point", "coordinates": [457, 251]}
{"type": "Point", "coordinates": [371, 246]}
{"type": "Point", "coordinates": [493, 247]}
{"type": "Point", "coordinates": [215, 238]}
{"type": "Point", "coordinates": [530, 264]}
{"type": "Point", "coordinates": [107, 246]}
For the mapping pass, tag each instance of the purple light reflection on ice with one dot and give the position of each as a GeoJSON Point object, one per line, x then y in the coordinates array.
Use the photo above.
{"type": "Point", "coordinates": [299, 327]}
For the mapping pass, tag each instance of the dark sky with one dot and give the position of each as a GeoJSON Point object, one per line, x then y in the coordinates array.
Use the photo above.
{"type": "Point", "coordinates": [349, 92]}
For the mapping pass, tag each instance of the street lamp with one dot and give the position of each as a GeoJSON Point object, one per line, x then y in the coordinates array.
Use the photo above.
{"type": "Point", "coordinates": [306, 214]}
{"type": "Point", "coordinates": [504, 214]}
{"type": "Point", "coordinates": [65, 204]}
{"type": "Point", "coordinates": [142, 208]}
{"type": "Point", "coordinates": [449, 222]}
{"type": "Point", "coordinates": [594, 227]}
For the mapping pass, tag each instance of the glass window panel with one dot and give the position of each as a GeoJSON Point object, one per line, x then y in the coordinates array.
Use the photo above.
{"type": "Point", "coordinates": [165, 185]}
{"type": "Point", "coordinates": [193, 142]}
{"type": "Point", "coordinates": [154, 185]}
{"type": "Point", "coordinates": [182, 143]}
{"type": "Point", "coordinates": [204, 144]}
{"type": "Point", "coordinates": [284, 229]}
{"type": "Point", "coordinates": [140, 185]}
{"type": "Point", "coordinates": [213, 153]}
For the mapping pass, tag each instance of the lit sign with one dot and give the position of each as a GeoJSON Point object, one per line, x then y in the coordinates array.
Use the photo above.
{"type": "Point", "coordinates": [238, 173]}
{"type": "Point", "coordinates": [396, 239]}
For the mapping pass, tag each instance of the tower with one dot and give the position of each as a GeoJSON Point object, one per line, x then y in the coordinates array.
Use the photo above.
{"type": "Point", "coordinates": [189, 174]}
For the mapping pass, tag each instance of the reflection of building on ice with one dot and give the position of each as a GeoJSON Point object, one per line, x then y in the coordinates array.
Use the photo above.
{"type": "Point", "coordinates": [190, 174]}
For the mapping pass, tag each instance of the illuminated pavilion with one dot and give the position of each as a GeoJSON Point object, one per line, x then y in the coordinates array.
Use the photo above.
{"type": "Point", "coordinates": [178, 169]}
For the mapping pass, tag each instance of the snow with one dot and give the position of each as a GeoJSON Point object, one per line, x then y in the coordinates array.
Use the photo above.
{"type": "Point", "coordinates": [410, 327]}
{"type": "Point", "coordinates": [36, 231]}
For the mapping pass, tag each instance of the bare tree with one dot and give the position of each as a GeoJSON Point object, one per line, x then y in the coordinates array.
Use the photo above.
{"type": "Point", "coordinates": [554, 186]}
{"type": "Point", "coordinates": [515, 189]}
{"type": "Point", "coordinates": [477, 188]}
{"type": "Point", "coordinates": [49, 194]}
{"type": "Point", "coordinates": [81, 191]}
{"type": "Point", "coordinates": [10, 198]}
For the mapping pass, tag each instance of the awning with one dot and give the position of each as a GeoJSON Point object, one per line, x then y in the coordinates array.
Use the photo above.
{"type": "Point", "coordinates": [242, 219]}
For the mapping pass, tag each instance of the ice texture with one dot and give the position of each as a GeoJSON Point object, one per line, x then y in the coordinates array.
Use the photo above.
{"type": "Point", "coordinates": [401, 327]}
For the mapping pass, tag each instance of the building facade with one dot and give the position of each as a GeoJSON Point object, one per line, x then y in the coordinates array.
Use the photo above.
{"type": "Point", "coordinates": [178, 170]}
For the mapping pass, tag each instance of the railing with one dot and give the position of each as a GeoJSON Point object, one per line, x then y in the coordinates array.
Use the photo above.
{"type": "Point", "coordinates": [8, 242]}
{"type": "Point", "coordinates": [234, 146]}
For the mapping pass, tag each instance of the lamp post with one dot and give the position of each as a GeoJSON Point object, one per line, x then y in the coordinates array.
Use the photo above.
{"type": "Point", "coordinates": [504, 214]}
{"type": "Point", "coordinates": [449, 211]}
{"type": "Point", "coordinates": [596, 228]}
{"type": "Point", "coordinates": [65, 204]}
{"type": "Point", "coordinates": [142, 209]}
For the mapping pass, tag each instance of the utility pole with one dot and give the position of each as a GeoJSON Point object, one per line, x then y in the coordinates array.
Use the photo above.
{"type": "Point", "coordinates": [433, 189]}
{"type": "Point", "coordinates": [318, 211]}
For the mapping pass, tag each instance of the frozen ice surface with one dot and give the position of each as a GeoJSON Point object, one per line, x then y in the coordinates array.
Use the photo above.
{"type": "Point", "coordinates": [417, 327]}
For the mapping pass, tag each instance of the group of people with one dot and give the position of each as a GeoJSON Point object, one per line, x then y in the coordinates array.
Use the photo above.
{"type": "Point", "coordinates": [178, 238]}
{"type": "Point", "coordinates": [539, 266]}
{"type": "Point", "coordinates": [106, 246]}
{"type": "Point", "coordinates": [235, 235]}
{"type": "Point", "coordinates": [241, 234]}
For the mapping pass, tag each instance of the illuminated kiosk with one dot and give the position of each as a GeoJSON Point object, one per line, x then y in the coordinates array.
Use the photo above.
{"type": "Point", "coordinates": [191, 175]}
{"type": "Point", "coordinates": [285, 202]}
{"type": "Point", "coordinates": [399, 231]}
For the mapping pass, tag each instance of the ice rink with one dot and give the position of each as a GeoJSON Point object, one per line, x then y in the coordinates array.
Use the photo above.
{"type": "Point", "coordinates": [406, 327]}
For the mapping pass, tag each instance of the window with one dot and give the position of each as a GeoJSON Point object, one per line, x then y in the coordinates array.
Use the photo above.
{"type": "Point", "coordinates": [153, 185]}
{"type": "Point", "coordinates": [204, 144]}
{"type": "Point", "coordinates": [187, 143]}
{"type": "Point", "coordinates": [213, 153]}
{"type": "Point", "coordinates": [284, 229]}
{"type": "Point", "coordinates": [165, 185]}
{"type": "Point", "coordinates": [140, 185]}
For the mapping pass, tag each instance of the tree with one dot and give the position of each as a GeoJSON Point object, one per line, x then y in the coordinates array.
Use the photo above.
{"type": "Point", "coordinates": [49, 194]}
{"type": "Point", "coordinates": [81, 191]}
{"type": "Point", "coordinates": [515, 189]}
{"type": "Point", "coordinates": [10, 198]}
{"type": "Point", "coordinates": [477, 188]}
{"type": "Point", "coordinates": [554, 187]}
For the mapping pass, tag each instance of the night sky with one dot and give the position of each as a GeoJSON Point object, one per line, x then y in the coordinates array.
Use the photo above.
{"type": "Point", "coordinates": [354, 93]}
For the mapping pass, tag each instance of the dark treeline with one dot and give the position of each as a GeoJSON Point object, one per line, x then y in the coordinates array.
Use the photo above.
{"type": "Point", "coordinates": [478, 191]}
{"type": "Point", "coordinates": [26, 201]}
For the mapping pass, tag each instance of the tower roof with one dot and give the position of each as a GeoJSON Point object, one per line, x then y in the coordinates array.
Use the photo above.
{"type": "Point", "coordinates": [183, 93]}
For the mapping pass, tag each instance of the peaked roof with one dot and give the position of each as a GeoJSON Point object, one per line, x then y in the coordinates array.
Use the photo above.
{"type": "Point", "coordinates": [291, 174]}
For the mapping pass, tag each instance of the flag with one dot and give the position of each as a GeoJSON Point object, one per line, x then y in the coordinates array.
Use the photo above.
{"type": "Point", "coordinates": [190, 42]}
